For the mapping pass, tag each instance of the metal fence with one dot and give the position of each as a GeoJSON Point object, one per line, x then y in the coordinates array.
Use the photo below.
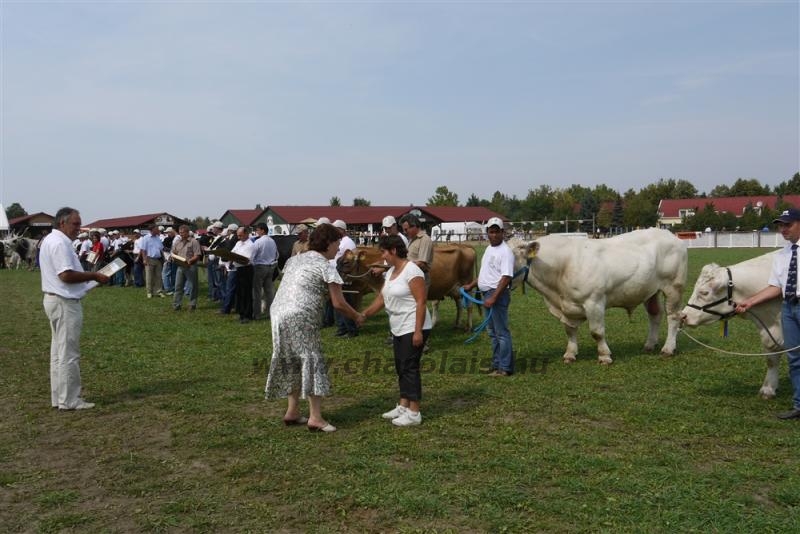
{"type": "Point", "coordinates": [737, 240]}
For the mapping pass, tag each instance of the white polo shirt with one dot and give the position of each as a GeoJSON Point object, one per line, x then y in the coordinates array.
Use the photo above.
{"type": "Point", "coordinates": [55, 257]}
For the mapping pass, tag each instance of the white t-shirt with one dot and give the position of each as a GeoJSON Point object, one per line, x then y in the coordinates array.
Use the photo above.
{"type": "Point", "coordinates": [497, 262]}
{"type": "Point", "coordinates": [55, 257]}
{"type": "Point", "coordinates": [399, 301]}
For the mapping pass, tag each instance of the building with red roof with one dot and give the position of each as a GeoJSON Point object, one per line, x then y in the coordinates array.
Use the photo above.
{"type": "Point", "coordinates": [672, 212]}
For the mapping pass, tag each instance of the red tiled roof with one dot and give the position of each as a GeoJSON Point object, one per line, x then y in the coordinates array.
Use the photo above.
{"type": "Point", "coordinates": [245, 217]}
{"type": "Point", "coordinates": [349, 214]}
{"type": "Point", "coordinates": [17, 220]}
{"type": "Point", "coordinates": [734, 205]}
{"type": "Point", "coordinates": [127, 222]}
{"type": "Point", "coordinates": [461, 213]}
{"type": "Point", "coordinates": [375, 214]}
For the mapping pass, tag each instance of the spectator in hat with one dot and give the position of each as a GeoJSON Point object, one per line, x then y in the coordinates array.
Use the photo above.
{"type": "Point", "coordinates": [228, 242]}
{"type": "Point", "coordinates": [151, 254]}
{"type": "Point", "coordinates": [345, 327]}
{"type": "Point", "coordinates": [265, 261]}
{"type": "Point", "coordinates": [188, 248]}
{"type": "Point", "coordinates": [216, 274]}
{"type": "Point", "coordinates": [169, 268]}
{"type": "Point", "coordinates": [783, 283]}
{"type": "Point", "coordinates": [389, 225]}
{"type": "Point", "coordinates": [138, 266]}
{"type": "Point", "coordinates": [243, 286]}
{"type": "Point", "coordinates": [494, 282]}
{"type": "Point", "coordinates": [301, 245]}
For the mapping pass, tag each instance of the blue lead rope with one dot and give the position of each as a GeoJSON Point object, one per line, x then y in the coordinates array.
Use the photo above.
{"type": "Point", "coordinates": [466, 299]}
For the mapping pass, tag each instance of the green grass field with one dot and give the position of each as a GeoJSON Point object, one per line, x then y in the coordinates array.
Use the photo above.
{"type": "Point", "coordinates": [183, 441]}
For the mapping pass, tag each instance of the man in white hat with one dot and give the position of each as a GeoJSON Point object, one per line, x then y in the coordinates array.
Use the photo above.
{"type": "Point", "coordinates": [390, 227]}
{"type": "Point", "coordinates": [494, 281]}
{"type": "Point", "coordinates": [346, 327]}
{"type": "Point", "coordinates": [301, 245]}
{"type": "Point", "coordinates": [216, 276]}
{"type": "Point", "coordinates": [169, 269]}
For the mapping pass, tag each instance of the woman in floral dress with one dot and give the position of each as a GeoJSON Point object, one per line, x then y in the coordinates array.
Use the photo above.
{"type": "Point", "coordinates": [298, 367]}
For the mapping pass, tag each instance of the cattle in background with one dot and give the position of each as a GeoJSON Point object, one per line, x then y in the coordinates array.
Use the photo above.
{"type": "Point", "coordinates": [713, 298]}
{"type": "Point", "coordinates": [23, 247]}
{"type": "Point", "coordinates": [581, 278]}
{"type": "Point", "coordinates": [284, 244]}
{"type": "Point", "coordinates": [452, 267]}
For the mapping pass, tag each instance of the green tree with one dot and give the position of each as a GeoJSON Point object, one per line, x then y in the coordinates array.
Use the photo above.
{"type": "Point", "coordinates": [358, 201]}
{"type": "Point", "coordinates": [720, 191]}
{"type": "Point", "coordinates": [538, 205]}
{"type": "Point", "coordinates": [749, 188]}
{"type": "Point", "coordinates": [640, 209]}
{"type": "Point", "coordinates": [335, 201]}
{"type": "Point", "coordinates": [789, 187]}
{"type": "Point", "coordinates": [473, 201]}
{"type": "Point", "coordinates": [443, 197]}
{"type": "Point", "coordinates": [15, 210]}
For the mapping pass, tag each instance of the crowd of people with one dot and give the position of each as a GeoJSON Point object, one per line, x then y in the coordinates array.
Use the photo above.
{"type": "Point", "coordinates": [241, 268]}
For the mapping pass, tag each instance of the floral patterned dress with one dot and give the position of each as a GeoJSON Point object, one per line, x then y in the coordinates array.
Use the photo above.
{"type": "Point", "coordinates": [296, 316]}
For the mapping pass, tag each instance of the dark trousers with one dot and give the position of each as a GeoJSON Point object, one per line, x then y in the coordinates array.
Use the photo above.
{"type": "Point", "coordinates": [406, 363]}
{"type": "Point", "coordinates": [244, 292]}
{"type": "Point", "coordinates": [343, 324]}
{"type": "Point", "coordinates": [229, 294]}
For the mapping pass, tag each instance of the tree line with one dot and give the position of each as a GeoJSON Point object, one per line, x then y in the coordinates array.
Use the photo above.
{"type": "Point", "coordinates": [601, 207]}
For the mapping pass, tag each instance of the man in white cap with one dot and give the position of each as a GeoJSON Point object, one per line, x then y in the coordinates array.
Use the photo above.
{"type": "Point", "coordinates": [229, 291]}
{"type": "Point", "coordinates": [301, 245]}
{"type": "Point", "coordinates": [216, 277]}
{"type": "Point", "coordinates": [494, 282]}
{"type": "Point", "coordinates": [138, 267]}
{"type": "Point", "coordinates": [390, 227]}
{"type": "Point", "coordinates": [346, 327]}
{"type": "Point", "coordinates": [169, 268]}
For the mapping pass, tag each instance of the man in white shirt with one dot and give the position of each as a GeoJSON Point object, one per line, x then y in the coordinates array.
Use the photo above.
{"type": "Point", "coordinates": [345, 327]}
{"type": "Point", "coordinates": [64, 284]}
{"type": "Point", "coordinates": [244, 276]}
{"type": "Point", "coordinates": [265, 261]}
{"type": "Point", "coordinates": [494, 281]}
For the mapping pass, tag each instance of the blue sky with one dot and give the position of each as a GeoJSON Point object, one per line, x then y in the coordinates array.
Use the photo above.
{"type": "Point", "coordinates": [196, 107]}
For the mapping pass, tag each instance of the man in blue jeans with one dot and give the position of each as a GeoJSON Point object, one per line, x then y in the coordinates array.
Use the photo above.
{"type": "Point", "coordinates": [494, 281]}
{"type": "Point", "coordinates": [783, 283]}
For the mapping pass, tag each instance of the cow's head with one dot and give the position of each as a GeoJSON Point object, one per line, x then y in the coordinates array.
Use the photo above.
{"type": "Point", "coordinates": [711, 298]}
{"type": "Point", "coordinates": [524, 252]}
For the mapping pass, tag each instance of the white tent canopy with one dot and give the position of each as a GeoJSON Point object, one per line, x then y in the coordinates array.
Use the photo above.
{"type": "Point", "coordinates": [3, 219]}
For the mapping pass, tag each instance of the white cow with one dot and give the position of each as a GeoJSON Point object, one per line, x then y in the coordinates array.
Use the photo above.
{"type": "Point", "coordinates": [580, 278]}
{"type": "Point", "coordinates": [715, 291]}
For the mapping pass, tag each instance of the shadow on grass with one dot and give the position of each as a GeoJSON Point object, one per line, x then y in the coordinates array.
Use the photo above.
{"type": "Point", "coordinates": [436, 403]}
{"type": "Point", "coordinates": [152, 389]}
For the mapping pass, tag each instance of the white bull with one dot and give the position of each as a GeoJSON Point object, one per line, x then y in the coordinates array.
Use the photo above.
{"type": "Point", "coordinates": [580, 278]}
{"type": "Point", "coordinates": [714, 294]}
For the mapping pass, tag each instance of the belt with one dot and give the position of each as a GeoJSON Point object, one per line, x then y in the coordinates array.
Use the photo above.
{"type": "Point", "coordinates": [59, 296]}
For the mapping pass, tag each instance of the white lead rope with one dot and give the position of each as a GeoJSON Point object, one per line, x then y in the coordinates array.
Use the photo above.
{"type": "Point", "coordinates": [682, 331]}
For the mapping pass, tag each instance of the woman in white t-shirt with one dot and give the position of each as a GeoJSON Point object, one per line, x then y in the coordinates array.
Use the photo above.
{"type": "Point", "coordinates": [404, 296]}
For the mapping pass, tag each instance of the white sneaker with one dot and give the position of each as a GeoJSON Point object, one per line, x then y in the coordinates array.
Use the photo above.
{"type": "Point", "coordinates": [409, 418]}
{"type": "Point", "coordinates": [397, 412]}
{"type": "Point", "coordinates": [81, 405]}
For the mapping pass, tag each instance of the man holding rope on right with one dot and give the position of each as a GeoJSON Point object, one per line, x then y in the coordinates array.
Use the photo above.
{"type": "Point", "coordinates": [783, 282]}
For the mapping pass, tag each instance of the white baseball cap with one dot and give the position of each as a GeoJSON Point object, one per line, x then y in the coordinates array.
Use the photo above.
{"type": "Point", "coordinates": [218, 224]}
{"type": "Point", "coordinates": [233, 227]}
{"type": "Point", "coordinates": [323, 220]}
{"type": "Point", "coordinates": [340, 224]}
{"type": "Point", "coordinates": [495, 221]}
{"type": "Point", "coordinates": [388, 221]}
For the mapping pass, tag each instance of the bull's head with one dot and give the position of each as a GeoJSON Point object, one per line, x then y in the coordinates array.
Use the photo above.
{"type": "Point", "coordinates": [712, 298]}
{"type": "Point", "coordinates": [524, 252]}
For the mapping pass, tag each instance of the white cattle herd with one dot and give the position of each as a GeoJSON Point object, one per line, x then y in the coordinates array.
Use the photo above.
{"type": "Point", "coordinates": [581, 278]}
